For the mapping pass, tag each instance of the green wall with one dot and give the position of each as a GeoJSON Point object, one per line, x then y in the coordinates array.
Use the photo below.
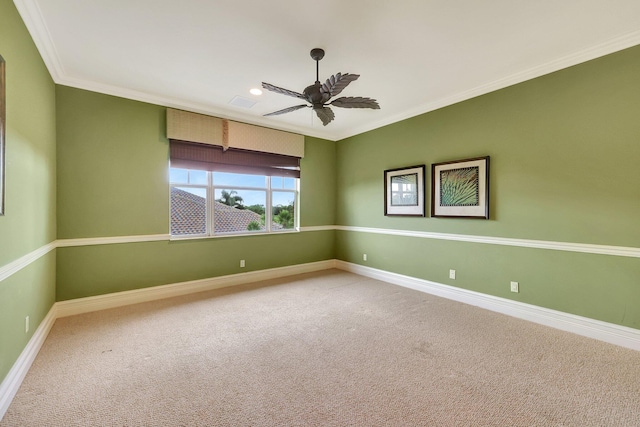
{"type": "Point", "coordinates": [112, 181]}
{"type": "Point", "coordinates": [30, 215]}
{"type": "Point", "coordinates": [318, 183]}
{"type": "Point", "coordinates": [112, 166]}
{"type": "Point", "coordinates": [564, 152]}
{"type": "Point", "coordinates": [101, 269]}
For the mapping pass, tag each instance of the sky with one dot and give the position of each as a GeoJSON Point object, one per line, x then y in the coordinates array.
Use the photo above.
{"type": "Point", "coordinates": [244, 184]}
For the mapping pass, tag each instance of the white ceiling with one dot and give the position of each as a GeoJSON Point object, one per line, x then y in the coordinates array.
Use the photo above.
{"type": "Point", "coordinates": [413, 55]}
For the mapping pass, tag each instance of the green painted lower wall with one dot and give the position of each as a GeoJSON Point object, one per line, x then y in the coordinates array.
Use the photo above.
{"type": "Point", "coordinates": [29, 292]}
{"type": "Point", "coordinates": [30, 193]}
{"type": "Point", "coordinates": [564, 151]}
{"type": "Point", "coordinates": [95, 270]}
{"type": "Point", "coordinates": [599, 287]}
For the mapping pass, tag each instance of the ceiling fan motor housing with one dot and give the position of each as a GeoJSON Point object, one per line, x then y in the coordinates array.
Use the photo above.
{"type": "Point", "coordinates": [315, 97]}
{"type": "Point", "coordinates": [317, 54]}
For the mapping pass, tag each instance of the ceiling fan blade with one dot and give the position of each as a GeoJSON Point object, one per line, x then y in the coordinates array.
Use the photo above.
{"type": "Point", "coordinates": [325, 114]}
{"type": "Point", "coordinates": [287, 110]}
{"type": "Point", "coordinates": [282, 91]}
{"type": "Point", "coordinates": [356, 102]}
{"type": "Point", "coordinates": [336, 83]}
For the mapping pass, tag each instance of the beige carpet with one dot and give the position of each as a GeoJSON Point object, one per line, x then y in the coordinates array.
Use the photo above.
{"type": "Point", "coordinates": [323, 349]}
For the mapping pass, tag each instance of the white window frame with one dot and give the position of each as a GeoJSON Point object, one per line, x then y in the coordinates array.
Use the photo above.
{"type": "Point", "coordinates": [210, 189]}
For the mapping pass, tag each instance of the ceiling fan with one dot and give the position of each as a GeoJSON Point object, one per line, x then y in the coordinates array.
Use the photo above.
{"type": "Point", "coordinates": [319, 94]}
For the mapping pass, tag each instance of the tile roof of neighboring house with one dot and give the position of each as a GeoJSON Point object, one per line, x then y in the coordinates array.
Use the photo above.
{"type": "Point", "coordinates": [188, 215]}
{"type": "Point", "coordinates": [229, 219]}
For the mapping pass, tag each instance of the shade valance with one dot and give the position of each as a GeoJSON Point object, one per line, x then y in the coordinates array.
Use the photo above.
{"type": "Point", "coordinates": [203, 129]}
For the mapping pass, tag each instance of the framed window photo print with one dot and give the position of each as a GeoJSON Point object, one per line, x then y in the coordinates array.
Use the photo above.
{"type": "Point", "coordinates": [404, 191]}
{"type": "Point", "coordinates": [460, 189]}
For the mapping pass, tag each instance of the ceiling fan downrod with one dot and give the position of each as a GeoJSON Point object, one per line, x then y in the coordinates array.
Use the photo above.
{"type": "Point", "coordinates": [317, 54]}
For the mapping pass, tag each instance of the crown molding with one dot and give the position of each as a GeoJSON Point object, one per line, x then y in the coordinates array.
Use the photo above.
{"type": "Point", "coordinates": [32, 16]}
{"type": "Point", "coordinates": [178, 104]}
{"type": "Point", "coordinates": [614, 45]}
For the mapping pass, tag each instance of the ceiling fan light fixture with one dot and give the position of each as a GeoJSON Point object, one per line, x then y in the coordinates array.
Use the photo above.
{"type": "Point", "coordinates": [255, 91]}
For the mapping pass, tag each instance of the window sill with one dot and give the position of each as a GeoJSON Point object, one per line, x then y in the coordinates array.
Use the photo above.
{"type": "Point", "coordinates": [226, 235]}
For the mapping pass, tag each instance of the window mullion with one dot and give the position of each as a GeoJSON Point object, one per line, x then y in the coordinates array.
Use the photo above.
{"type": "Point", "coordinates": [296, 205]}
{"type": "Point", "coordinates": [210, 205]}
{"type": "Point", "coordinates": [268, 209]}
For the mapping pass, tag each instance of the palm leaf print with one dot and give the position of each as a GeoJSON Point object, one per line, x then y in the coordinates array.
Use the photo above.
{"type": "Point", "coordinates": [459, 187]}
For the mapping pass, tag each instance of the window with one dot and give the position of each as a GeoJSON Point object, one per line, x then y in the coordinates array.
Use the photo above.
{"type": "Point", "coordinates": [217, 190]}
{"type": "Point", "coordinates": [206, 203]}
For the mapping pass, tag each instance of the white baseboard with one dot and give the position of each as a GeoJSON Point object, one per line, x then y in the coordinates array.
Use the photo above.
{"type": "Point", "coordinates": [607, 332]}
{"type": "Point", "coordinates": [119, 299]}
{"type": "Point", "coordinates": [603, 331]}
{"type": "Point", "coordinates": [14, 378]}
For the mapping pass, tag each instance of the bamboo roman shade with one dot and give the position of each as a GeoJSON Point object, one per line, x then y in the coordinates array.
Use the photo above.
{"type": "Point", "coordinates": [188, 155]}
{"type": "Point", "coordinates": [186, 126]}
{"type": "Point", "coordinates": [209, 143]}
{"type": "Point", "coordinates": [256, 138]}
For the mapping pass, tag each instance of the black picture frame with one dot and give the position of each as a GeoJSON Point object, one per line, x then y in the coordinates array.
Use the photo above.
{"type": "Point", "coordinates": [404, 191]}
{"type": "Point", "coordinates": [460, 189]}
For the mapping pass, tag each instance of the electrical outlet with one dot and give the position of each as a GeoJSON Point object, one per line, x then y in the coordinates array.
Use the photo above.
{"type": "Point", "coordinates": [515, 287]}
{"type": "Point", "coordinates": [452, 274]}
{"type": "Point", "coordinates": [241, 263]}
{"type": "Point", "coordinates": [364, 257]}
{"type": "Point", "coordinates": [26, 324]}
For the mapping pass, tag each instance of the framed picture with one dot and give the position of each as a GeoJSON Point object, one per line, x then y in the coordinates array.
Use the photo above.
{"type": "Point", "coordinates": [404, 191]}
{"type": "Point", "coordinates": [460, 189]}
{"type": "Point", "coordinates": [3, 116]}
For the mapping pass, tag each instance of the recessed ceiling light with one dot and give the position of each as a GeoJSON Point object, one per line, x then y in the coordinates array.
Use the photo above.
{"type": "Point", "coordinates": [255, 91]}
